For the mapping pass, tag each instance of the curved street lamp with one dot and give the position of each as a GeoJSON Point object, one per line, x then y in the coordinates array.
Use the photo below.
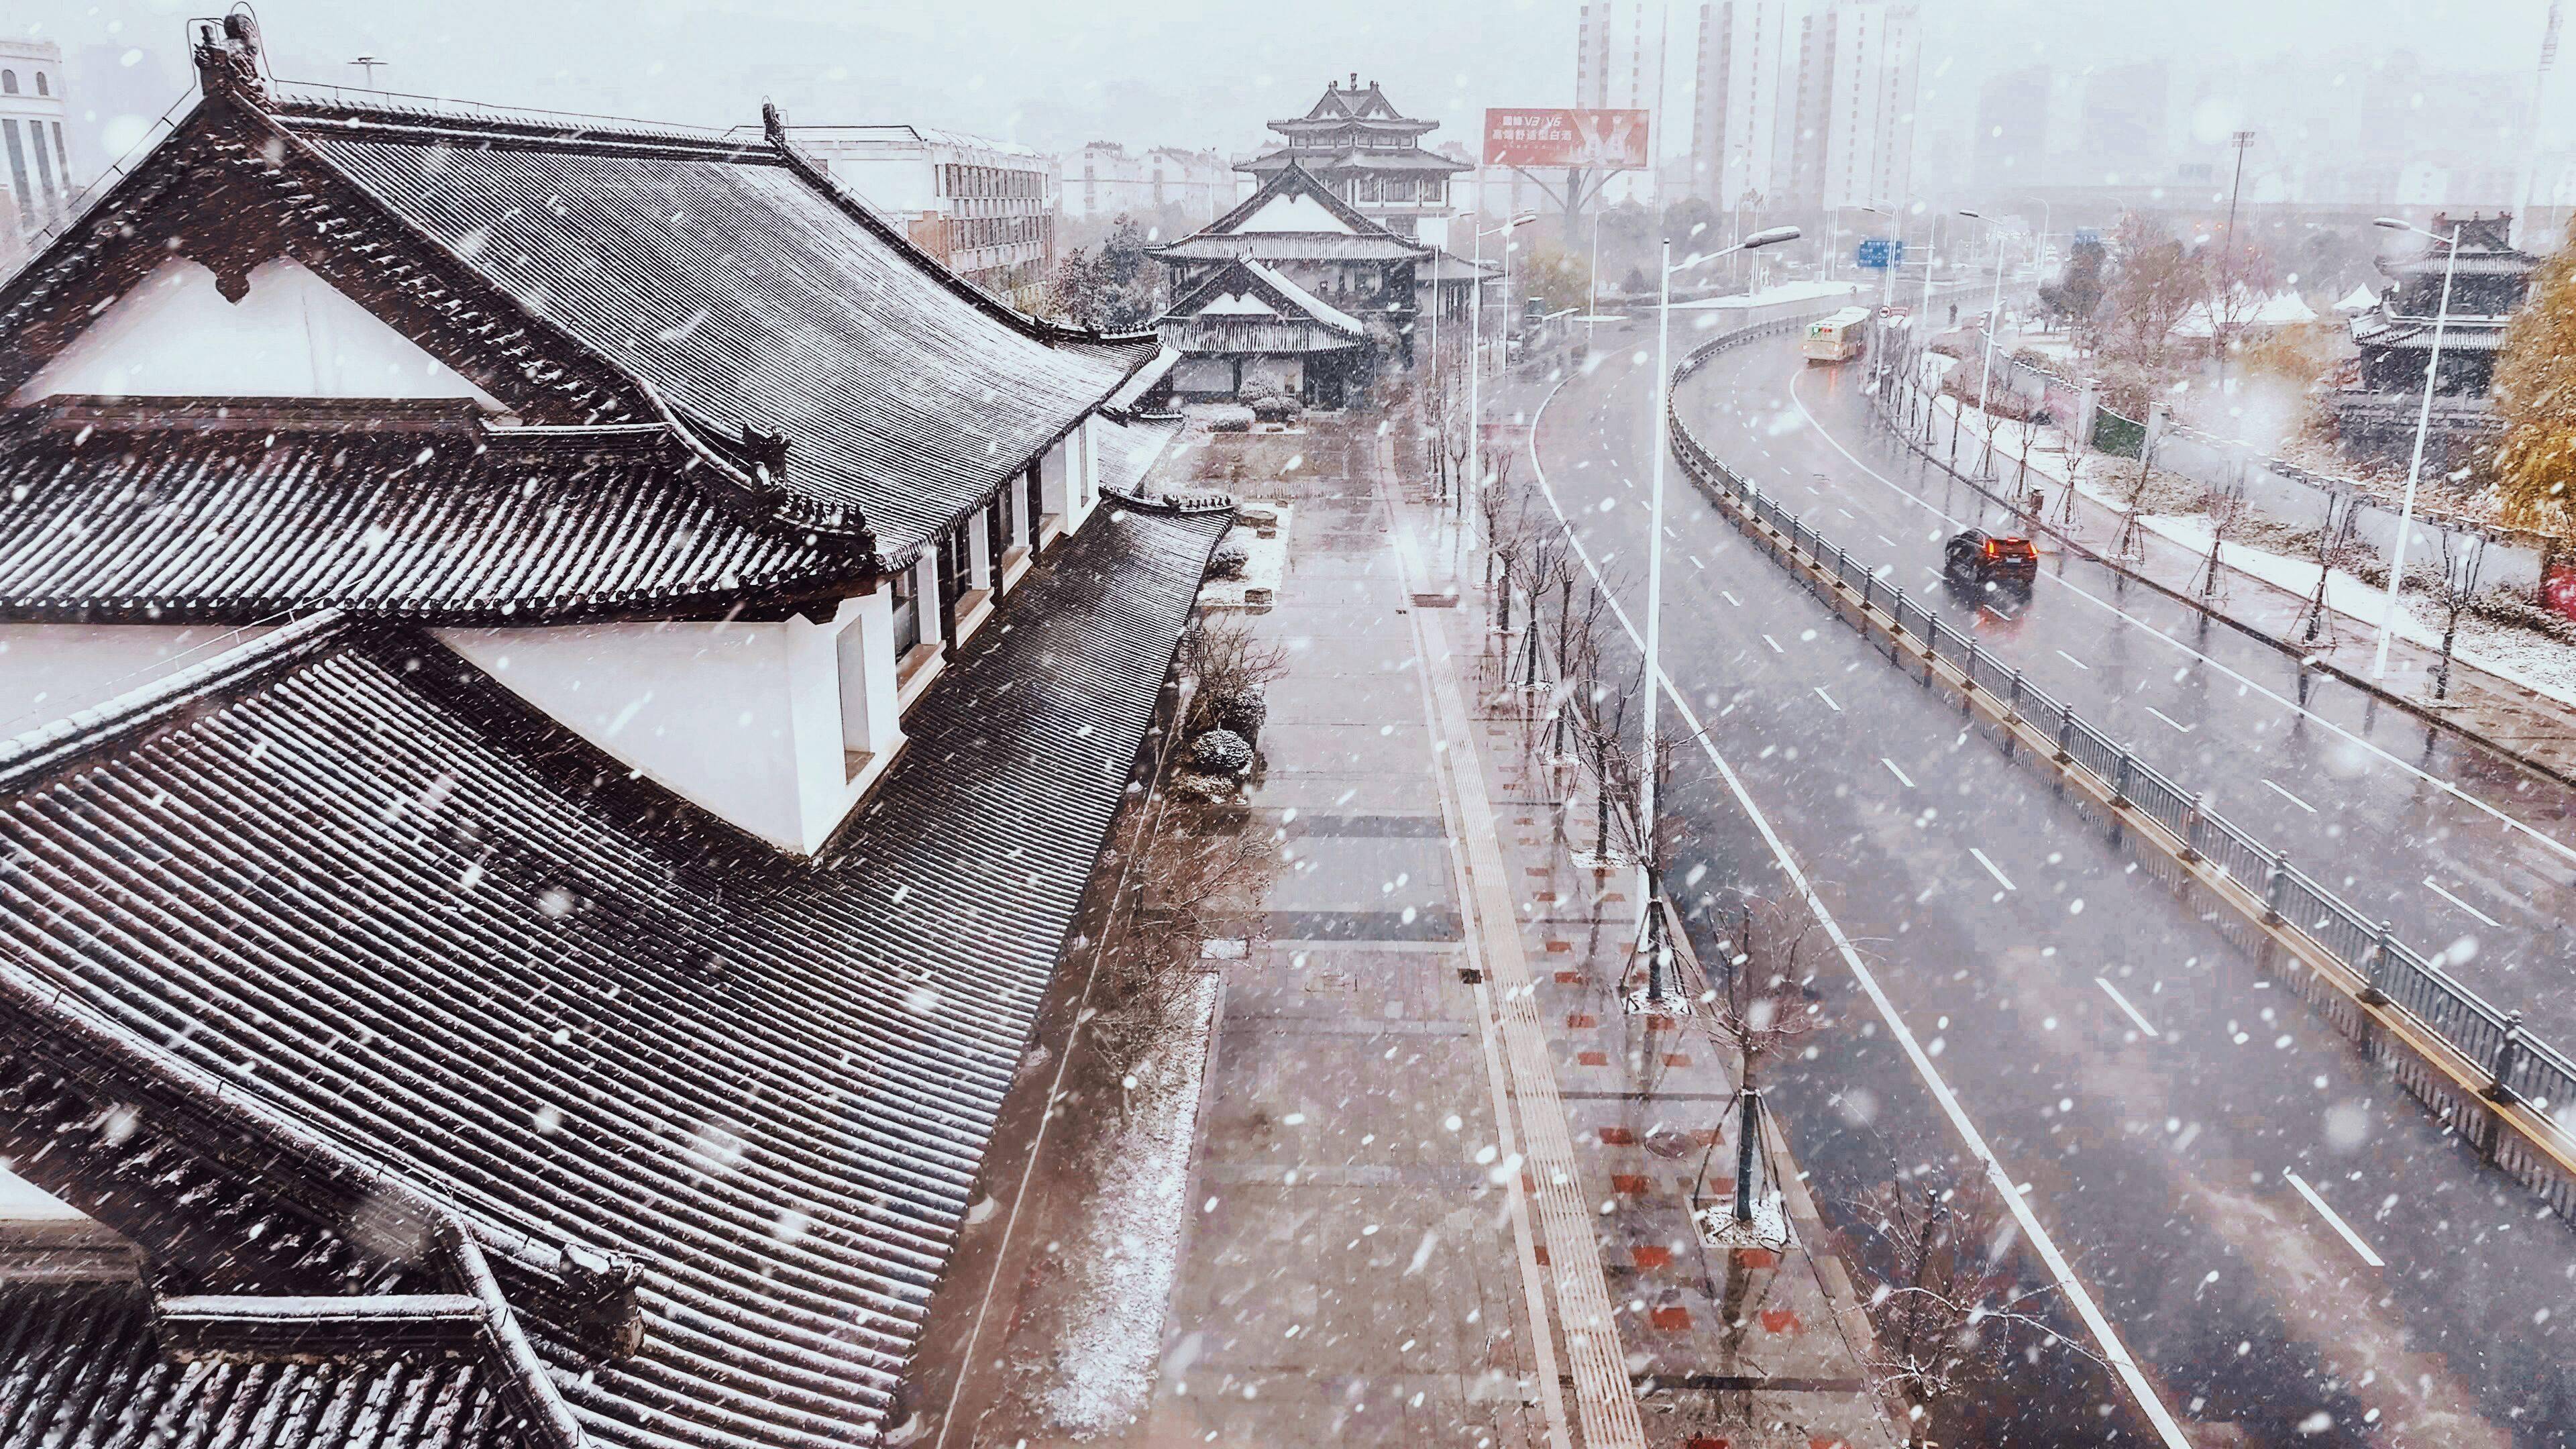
{"type": "Point", "coordinates": [1651, 941]}
{"type": "Point", "coordinates": [2423, 425]}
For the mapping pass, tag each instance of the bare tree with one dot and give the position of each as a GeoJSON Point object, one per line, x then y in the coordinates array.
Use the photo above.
{"type": "Point", "coordinates": [1950, 1315]}
{"type": "Point", "coordinates": [1229, 662]}
{"type": "Point", "coordinates": [2228, 511]}
{"type": "Point", "coordinates": [2464, 558]}
{"type": "Point", "coordinates": [1508, 535]}
{"type": "Point", "coordinates": [1548, 568]}
{"type": "Point", "coordinates": [1758, 1008]}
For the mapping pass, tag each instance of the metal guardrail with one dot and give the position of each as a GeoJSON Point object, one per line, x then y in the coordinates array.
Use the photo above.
{"type": "Point", "coordinates": [2519, 1068]}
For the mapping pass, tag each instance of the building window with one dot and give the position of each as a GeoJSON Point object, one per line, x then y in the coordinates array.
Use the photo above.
{"type": "Point", "coordinates": [8, 82]}
{"type": "Point", "coordinates": [907, 611]}
{"type": "Point", "coordinates": [40, 84]}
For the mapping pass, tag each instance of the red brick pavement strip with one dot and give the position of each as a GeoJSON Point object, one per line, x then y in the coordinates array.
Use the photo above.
{"type": "Point", "coordinates": [1737, 1320]}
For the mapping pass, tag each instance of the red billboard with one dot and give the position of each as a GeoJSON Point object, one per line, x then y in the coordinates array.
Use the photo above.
{"type": "Point", "coordinates": [1565, 136]}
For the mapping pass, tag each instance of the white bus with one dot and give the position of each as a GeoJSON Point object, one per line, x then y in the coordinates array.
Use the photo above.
{"type": "Point", "coordinates": [1838, 338]}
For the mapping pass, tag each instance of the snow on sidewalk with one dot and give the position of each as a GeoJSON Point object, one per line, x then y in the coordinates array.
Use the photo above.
{"type": "Point", "coordinates": [1119, 1268]}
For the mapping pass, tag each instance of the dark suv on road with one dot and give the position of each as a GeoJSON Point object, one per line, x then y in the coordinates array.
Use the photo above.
{"type": "Point", "coordinates": [1979, 557]}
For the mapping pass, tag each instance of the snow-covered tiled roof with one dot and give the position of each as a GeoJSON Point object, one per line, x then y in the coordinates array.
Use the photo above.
{"type": "Point", "coordinates": [1307, 302]}
{"type": "Point", "coordinates": [337, 925]}
{"type": "Point", "coordinates": [826, 371]}
{"type": "Point", "coordinates": [1295, 217]}
{"type": "Point", "coordinates": [749, 293]}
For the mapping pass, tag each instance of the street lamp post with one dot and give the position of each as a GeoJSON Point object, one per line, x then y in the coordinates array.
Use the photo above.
{"type": "Point", "coordinates": [1476, 354]}
{"type": "Point", "coordinates": [1651, 942]}
{"type": "Point", "coordinates": [2423, 426]}
{"type": "Point", "coordinates": [1592, 296]}
{"type": "Point", "coordinates": [1994, 317]}
{"type": "Point", "coordinates": [1886, 295]}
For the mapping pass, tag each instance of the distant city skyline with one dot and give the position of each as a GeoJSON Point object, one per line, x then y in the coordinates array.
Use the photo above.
{"type": "Point", "coordinates": [1120, 71]}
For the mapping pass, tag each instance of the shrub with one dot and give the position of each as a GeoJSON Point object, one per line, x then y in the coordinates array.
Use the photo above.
{"type": "Point", "coordinates": [1231, 558]}
{"type": "Point", "coordinates": [1229, 419]}
{"type": "Point", "coordinates": [1244, 714]}
{"type": "Point", "coordinates": [1276, 407]}
{"type": "Point", "coordinates": [1221, 752]}
{"type": "Point", "coordinates": [1191, 785]}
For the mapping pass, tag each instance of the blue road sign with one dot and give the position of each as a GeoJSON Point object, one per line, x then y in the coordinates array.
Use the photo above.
{"type": "Point", "coordinates": [1879, 252]}
{"type": "Point", "coordinates": [2088, 236]}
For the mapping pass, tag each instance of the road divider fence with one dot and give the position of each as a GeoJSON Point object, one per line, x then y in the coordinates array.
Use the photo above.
{"type": "Point", "coordinates": [2472, 1062]}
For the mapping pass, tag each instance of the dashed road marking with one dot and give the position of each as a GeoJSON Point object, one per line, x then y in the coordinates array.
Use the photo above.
{"type": "Point", "coordinates": [2144, 1025]}
{"type": "Point", "coordinates": [2463, 905]}
{"type": "Point", "coordinates": [1774, 643]}
{"type": "Point", "coordinates": [1827, 698]}
{"type": "Point", "coordinates": [2334, 1220]}
{"type": "Point", "coordinates": [2036, 1233]}
{"type": "Point", "coordinates": [1901, 777]}
{"type": "Point", "coordinates": [2169, 719]}
{"type": "Point", "coordinates": [2001, 879]}
{"type": "Point", "coordinates": [2071, 659]}
{"type": "Point", "coordinates": [2286, 795]}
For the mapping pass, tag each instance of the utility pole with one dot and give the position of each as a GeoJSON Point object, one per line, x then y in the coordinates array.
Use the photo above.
{"type": "Point", "coordinates": [2227, 256]}
{"type": "Point", "coordinates": [368, 63]}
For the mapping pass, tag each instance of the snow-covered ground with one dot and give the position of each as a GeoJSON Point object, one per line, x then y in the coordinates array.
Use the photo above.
{"type": "Point", "coordinates": [1268, 565]}
{"type": "Point", "coordinates": [1119, 1269]}
{"type": "Point", "coordinates": [2518, 656]}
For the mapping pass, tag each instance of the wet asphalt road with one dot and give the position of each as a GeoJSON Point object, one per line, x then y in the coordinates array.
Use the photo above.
{"type": "Point", "coordinates": [2125, 1060]}
{"type": "Point", "coordinates": [2464, 853]}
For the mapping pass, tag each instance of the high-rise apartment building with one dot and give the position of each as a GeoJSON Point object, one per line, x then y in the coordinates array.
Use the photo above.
{"type": "Point", "coordinates": [1736, 99]}
{"type": "Point", "coordinates": [1848, 134]}
{"type": "Point", "coordinates": [1619, 65]}
{"type": "Point", "coordinates": [1619, 55]}
{"type": "Point", "coordinates": [36, 187]}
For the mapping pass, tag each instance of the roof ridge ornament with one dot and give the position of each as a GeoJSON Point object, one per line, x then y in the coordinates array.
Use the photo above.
{"type": "Point", "coordinates": [773, 124]}
{"type": "Point", "coordinates": [228, 61]}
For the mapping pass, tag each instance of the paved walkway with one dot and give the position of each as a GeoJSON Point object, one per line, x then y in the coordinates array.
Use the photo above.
{"type": "Point", "coordinates": [1432, 1201]}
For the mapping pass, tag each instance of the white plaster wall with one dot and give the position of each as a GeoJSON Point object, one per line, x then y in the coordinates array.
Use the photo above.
{"type": "Point", "coordinates": [291, 335]}
{"type": "Point", "coordinates": [48, 671]}
{"type": "Point", "coordinates": [1055, 469]}
{"type": "Point", "coordinates": [703, 709]}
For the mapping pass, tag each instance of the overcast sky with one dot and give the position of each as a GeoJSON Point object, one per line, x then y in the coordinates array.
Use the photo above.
{"type": "Point", "coordinates": [1200, 74]}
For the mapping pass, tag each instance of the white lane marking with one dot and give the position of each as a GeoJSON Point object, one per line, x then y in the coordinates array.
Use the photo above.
{"type": "Point", "coordinates": [1730, 598]}
{"type": "Point", "coordinates": [2286, 795]}
{"type": "Point", "coordinates": [2169, 719]}
{"type": "Point", "coordinates": [1774, 643]}
{"type": "Point", "coordinates": [1694, 558]}
{"type": "Point", "coordinates": [2060, 1270]}
{"type": "Point", "coordinates": [1883, 538]}
{"type": "Point", "coordinates": [1901, 777]}
{"type": "Point", "coordinates": [2071, 659]}
{"type": "Point", "coordinates": [2565, 851]}
{"type": "Point", "coordinates": [1827, 698]}
{"type": "Point", "coordinates": [2144, 1025]}
{"type": "Point", "coordinates": [1847, 513]}
{"type": "Point", "coordinates": [2463, 905]}
{"type": "Point", "coordinates": [2001, 879]}
{"type": "Point", "coordinates": [2334, 1220]}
